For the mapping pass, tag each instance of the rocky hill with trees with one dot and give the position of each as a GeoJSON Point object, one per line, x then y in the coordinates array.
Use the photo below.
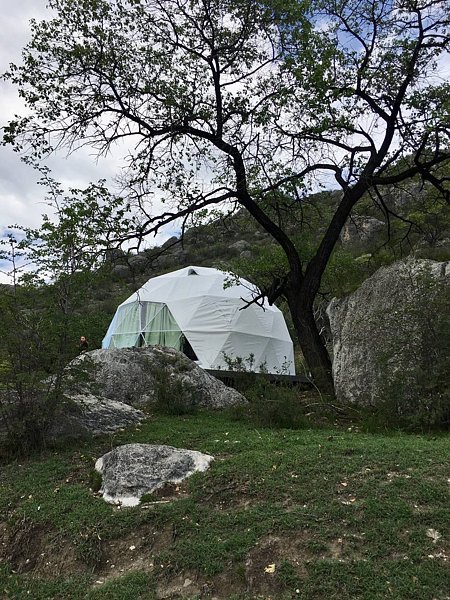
{"type": "Point", "coordinates": [234, 113]}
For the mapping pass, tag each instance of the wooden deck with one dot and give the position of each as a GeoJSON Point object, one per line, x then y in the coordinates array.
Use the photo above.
{"type": "Point", "coordinates": [230, 378]}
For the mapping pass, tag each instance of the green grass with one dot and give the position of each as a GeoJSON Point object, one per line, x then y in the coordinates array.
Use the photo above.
{"type": "Point", "coordinates": [341, 514]}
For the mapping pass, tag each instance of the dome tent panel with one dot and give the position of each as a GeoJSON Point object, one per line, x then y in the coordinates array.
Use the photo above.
{"type": "Point", "coordinates": [207, 315]}
{"type": "Point", "coordinates": [277, 357]}
{"type": "Point", "coordinates": [207, 347]}
{"type": "Point", "coordinates": [279, 329]}
{"type": "Point", "coordinates": [160, 291]}
{"type": "Point", "coordinates": [176, 288]}
{"type": "Point", "coordinates": [259, 353]}
{"type": "Point", "coordinates": [253, 319]}
{"type": "Point", "coordinates": [188, 313]}
{"type": "Point", "coordinates": [242, 349]}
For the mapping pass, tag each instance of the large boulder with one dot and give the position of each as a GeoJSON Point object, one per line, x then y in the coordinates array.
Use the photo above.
{"type": "Point", "coordinates": [88, 414]}
{"type": "Point", "coordinates": [170, 242]}
{"type": "Point", "coordinates": [240, 246]}
{"type": "Point", "coordinates": [72, 415]}
{"type": "Point", "coordinates": [130, 471]}
{"type": "Point", "coordinates": [142, 376]}
{"type": "Point", "coordinates": [391, 337]}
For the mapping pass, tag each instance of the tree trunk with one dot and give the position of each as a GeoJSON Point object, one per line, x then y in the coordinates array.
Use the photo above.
{"type": "Point", "coordinates": [313, 348]}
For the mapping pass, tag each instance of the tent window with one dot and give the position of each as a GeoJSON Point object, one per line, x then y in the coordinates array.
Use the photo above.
{"type": "Point", "coordinates": [160, 327]}
{"type": "Point", "coordinates": [126, 329]}
{"type": "Point", "coordinates": [149, 324]}
{"type": "Point", "coordinates": [124, 340]}
{"type": "Point", "coordinates": [143, 324]}
{"type": "Point", "coordinates": [192, 272]}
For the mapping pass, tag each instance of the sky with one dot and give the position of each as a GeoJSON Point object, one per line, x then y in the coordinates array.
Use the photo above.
{"type": "Point", "coordinates": [21, 199]}
{"type": "Point", "coordinates": [18, 195]}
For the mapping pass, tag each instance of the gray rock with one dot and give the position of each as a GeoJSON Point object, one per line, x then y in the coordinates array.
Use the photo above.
{"type": "Point", "coordinates": [399, 198]}
{"type": "Point", "coordinates": [361, 230]}
{"type": "Point", "coordinates": [174, 259]}
{"type": "Point", "coordinates": [87, 414]}
{"type": "Point", "coordinates": [170, 242]}
{"type": "Point", "coordinates": [138, 262]}
{"type": "Point", "coordinates": [121, 272]}
{"type": "Point", "coordinates": [134, 376]}
{"type": "Point", "coordinates": [240, 246]}
{"type": "Point", "coordinates": [388, 338]}
{"type": "Point", "coordinates": [75, 415]}
{"type": "Point", "coordinates": [130, 471]}
{"type": "Point", "coordinates": [113, 255]}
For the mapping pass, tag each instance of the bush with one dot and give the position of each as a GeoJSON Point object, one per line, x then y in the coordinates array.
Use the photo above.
{"type": "Point", "coordinates": [273, 406]}
{"type": "Point", "coordinates": [27, 416]}
{"type": "Point", "coordinates": [174, 396]}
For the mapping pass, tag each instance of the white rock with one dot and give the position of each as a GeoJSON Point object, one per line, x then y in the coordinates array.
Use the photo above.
{"type": "Point", "coordinates": [130, 471]}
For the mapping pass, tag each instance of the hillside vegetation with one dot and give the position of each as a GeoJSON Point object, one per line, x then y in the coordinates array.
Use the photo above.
{"type": "Point", "coordinates": [282, 513]}
{"type": "Point", "coordinates": [305, 499]}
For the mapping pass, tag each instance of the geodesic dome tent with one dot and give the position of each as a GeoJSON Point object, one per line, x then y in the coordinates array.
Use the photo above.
{"type": "Point", "coordinates": [190, 310]}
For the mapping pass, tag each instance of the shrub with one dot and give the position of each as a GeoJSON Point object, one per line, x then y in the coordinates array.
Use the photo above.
{"type": "Point", "coordinates": [173, 396]}
{"type": "Point", "coordinates": [273, 406]}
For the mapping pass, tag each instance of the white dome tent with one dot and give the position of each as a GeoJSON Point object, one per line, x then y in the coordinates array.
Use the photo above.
{"type": "Point", "coordinates": [190, 310]}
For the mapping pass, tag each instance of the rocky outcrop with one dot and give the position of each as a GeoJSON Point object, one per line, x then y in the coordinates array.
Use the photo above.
{"type": "Point", "coordinates": [361, 231]}
{"type": "Point", "coordinates": [170, 242]}
{"type": "Point", "coordinates": [85, 413]}
{"type": "Point", "coordinates": [139, 376]}
{"type": "Point", "coordinates": [71, 415]}
{"type": "Point", "coordinates": [240, 246]}
{"type": "Point", "coordinates": [130, 471]}
{"type": "Point", "coordinates": [390, 337]}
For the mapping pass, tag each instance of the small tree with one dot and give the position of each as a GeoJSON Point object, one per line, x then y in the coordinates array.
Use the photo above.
{"type": "Point", "coordinates": [40, 313]}
{"type": "Point", "coordinates": [247, 104]}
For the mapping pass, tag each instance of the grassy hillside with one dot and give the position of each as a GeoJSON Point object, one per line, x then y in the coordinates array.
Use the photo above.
{"type": "Point", "coordinates": [317, 510]}
{"type": "Point", "coordinates": [412, 220]}
{"type": "Point", "coordinates": [310, 513]}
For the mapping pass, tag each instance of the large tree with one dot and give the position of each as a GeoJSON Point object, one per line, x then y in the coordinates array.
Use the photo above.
{"type": "Point", "coordinates": [250, 104]}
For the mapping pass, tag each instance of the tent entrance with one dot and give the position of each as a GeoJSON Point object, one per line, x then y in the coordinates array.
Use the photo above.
{"type": "Point", "coordinates": [147, 324]}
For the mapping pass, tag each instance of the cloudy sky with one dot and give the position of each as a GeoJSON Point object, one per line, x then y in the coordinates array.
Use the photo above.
{"type": "Point", "coordinates": [21, 200]}
{"type": "Point", "coordinates": [18, 195]}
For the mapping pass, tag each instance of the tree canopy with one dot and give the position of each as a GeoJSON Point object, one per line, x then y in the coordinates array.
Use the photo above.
{"type": "Point", "coordinates": [247, 104]}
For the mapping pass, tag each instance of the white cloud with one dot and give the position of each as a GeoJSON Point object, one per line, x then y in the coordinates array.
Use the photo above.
{"type": "Point", "coordinates": [21, 199]}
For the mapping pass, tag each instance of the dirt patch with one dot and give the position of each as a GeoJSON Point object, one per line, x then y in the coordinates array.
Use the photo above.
{"type": "Point", "coordinates": [275, 565]}
{"type": "Point", "coordinates": [35, 548]}
{"type": "Point", "coordinates": [138, 552]}
{"type": "Point", "coordinates": [336, 548]}
{"type": "Point", "coordinates": [192, 585]}
{"type": "Point", "coordinates": [277, 562]}
{"type": "Point", "coordinates": [134, 552]}
{"type": "Point", "coordinates": [181, 586]}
